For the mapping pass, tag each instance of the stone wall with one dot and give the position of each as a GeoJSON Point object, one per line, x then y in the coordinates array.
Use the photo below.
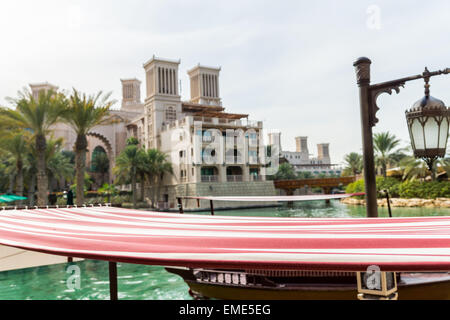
{"type": "Point", "coordinates": [398, 202]}
{"type": "Point", "coordinates": [254, 188]}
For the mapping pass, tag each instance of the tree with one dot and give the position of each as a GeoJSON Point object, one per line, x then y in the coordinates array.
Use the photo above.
{"type": "Point", "coordinates": [161, 167]}
{"type": "Point", "coordinates": [59, 167]}
{"type": "Point", "coordinates": [16, 145]}
{"type": "Point", "coordinates": [100, 164]}
{"type": "Point", "coordinates": [108, 190]}
{"type": "Point", "coordinates": [127, 164]}
{"type": "Point", "coordinates": [52, 167]}
{"type": "Point", "coordinates": [3, 171]}
{"type": "Point", "coordinates": [37, 116]}
{"type": "Point", "coordinates": [385, 146]}
{"type": "Point", "coordinates": [285, 172]}
{"type": "Point", "coordinates": [9, 171]}
{"type": "Point", "coordinates": [304, 175]}
{"type": "Point", "coordinates": [353, 164]}
{"type": "Point", "coordinates": [84, 113]}
{"type": "Point", "coordinates": [413, 168]}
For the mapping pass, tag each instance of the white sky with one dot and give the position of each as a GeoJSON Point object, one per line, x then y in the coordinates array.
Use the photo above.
{"type": "Point", "coordinates": [288, 63]}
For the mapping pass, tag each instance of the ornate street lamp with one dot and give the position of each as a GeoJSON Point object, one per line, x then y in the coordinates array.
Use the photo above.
{"type": "Point", "coordinates": [428, 124]}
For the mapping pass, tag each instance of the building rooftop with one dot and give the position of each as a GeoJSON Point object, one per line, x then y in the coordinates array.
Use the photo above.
{"type": "Point", "coordinates": [199, 66]}
{"type": "Point", "coordinates": [193, 107]}
{"type": "Point", "coordinates": [154, 58]}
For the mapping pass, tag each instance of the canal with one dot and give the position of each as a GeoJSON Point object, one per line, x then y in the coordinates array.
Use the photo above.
{"type": "Point", "coordinates": [138, 282]}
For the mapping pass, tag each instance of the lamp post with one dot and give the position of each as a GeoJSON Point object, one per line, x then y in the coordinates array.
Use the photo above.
{"type": "Point", "coordinates": [428, 123]}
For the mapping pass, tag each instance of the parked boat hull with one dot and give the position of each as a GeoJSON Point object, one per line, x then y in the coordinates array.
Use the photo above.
{"type": "Point", "coordinates": [411, 286]}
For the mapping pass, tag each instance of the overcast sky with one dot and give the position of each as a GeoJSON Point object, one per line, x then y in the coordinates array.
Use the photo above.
{"type": "Point", "coordinates": [288, 63]}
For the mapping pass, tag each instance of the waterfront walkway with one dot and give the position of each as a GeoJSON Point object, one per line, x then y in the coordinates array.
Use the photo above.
{"type": "Point", "coordinates": [15, 258]}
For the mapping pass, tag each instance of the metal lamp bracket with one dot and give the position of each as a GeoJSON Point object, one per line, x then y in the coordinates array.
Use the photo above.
{"type": "Point", "coordinates": [375, 91]}
{"type": "Point", "coordinates": [387, 87]}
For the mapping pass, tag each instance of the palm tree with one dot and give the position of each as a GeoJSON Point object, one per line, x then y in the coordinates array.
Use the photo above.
{"type": "Point", "coordinates": [163, 167]}
{"type": "Point", "coordinates": [143, 170]}
{"type": "Point", "coordinates": [16, 144]}
{"type": "Point", "coordinates": [108, 190]}
{"type": "Point", "coordinates": [127, 164]}
{"type": "Point", "coordinates": [285, 172]}
{"type": "Point", "coordinates": [59, 167]}
{"type": "Point", "coordinates": [84, 113]}
{"type": "Point", "coordinates": [353, 164]}
{"type": "Point", "coordinates": [100, 164]}
{"type": "Point", "coordinates": [413, 168]}
{"type": "Point", "coordinates": [37, 116]}
{"type": "Point", "coordinates": [52, 167]}
{"type": "Point", "coordinates": [153, 169]}
{"type": "Point", "coordinates": [3, 174]}
{"type": "Point", "coordinates": [385, 146]}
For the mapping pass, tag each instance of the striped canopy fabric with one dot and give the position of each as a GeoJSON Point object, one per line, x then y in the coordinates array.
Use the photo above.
{"type": "Point", "coordinates": [200, 241]}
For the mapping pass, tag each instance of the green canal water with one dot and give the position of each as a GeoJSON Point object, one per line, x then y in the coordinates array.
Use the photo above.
{"type": "Point", "coordinates": [138, 282]}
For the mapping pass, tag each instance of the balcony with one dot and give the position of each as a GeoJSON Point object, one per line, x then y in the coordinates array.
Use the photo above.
{"type": "Point", "coordinates": [234, 178]}
{"type": "Point", "coordinates": [234, 160]}
{"type": "Point", "coordinates": [210, 178]}
{"type": "Point", "coordinates": [209, 159]}
{"type": "Point", "coordinates": [256, 178]}
{"type": "Point", "coordinates": [229, 122]}
{"type": "Point", "coordinates": [208, 139]}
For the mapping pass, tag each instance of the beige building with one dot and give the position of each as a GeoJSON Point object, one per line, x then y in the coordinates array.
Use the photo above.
{"type": "Point", "coordinates": [212, 151]}
{"type": "Point", "coordinates": [302, 161]}
{"type": "Point", "coordinates": [110, 138]}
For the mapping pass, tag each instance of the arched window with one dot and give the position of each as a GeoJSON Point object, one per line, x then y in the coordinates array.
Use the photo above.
{"type": "Point", "coordinates": [99, 160]}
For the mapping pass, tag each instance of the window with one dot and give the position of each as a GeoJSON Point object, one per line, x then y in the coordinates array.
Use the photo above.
{"type": "Point", "coordinates": [171, 114]}
{"type": "Point", "coordinates": [252, 153]}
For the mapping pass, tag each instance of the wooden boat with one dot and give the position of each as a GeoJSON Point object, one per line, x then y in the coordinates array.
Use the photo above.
{"type": "Point", "coordinates": [302, 285]}
{"type": "Point", "coordinates": [299, 285]}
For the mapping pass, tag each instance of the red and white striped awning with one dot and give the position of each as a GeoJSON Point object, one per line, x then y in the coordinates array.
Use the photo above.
{"type": "Point", "coordinates": [155, 238]}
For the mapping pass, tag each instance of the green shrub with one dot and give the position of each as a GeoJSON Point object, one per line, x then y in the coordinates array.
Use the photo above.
{"type": "Point", "coordinates": [406, 189]}
{"type": "Point", "coordinates": [142, 205]}
{"type": "Point", "coordinates": [61, 201]}
{"type": "Point", "coordinates": [115, 200]}
{"type": "Point", "coordinates": [355, 187]}
{"type": "Point", "coordinates": [424, 190]}
{"type": "Point", "coordinates": [390, 184]}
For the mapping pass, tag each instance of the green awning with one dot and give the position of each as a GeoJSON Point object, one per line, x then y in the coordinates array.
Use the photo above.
{"type": "Point", "coordinates": [11, 198]}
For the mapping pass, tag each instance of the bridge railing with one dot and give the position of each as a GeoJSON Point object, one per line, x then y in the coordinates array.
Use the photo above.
{"type": "Point", "coordinates": [314, 182]}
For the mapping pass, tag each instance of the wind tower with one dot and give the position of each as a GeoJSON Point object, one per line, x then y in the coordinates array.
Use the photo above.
{"type": "Point", "coordinates": [162, 104]}
{"type": "Point", "coordinates": [37, 88]}
{"type": "Point", "coordinates": [131, 95]}
{"type": "Point", "coordinates": [205, 85]}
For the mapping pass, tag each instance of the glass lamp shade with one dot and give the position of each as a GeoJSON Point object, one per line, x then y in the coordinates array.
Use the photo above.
{"type": "Point", "coordinates": [428, 124]}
